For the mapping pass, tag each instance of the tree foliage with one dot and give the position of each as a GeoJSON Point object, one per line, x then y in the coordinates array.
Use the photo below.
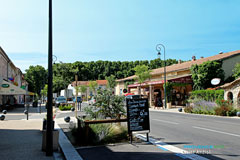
{"type": "Point", "coordinates": [36, 76]}
{"type": "Point", "coordinates": [107, 105]}
{"type": "Point", "coordinates": [143, 73]}
{"type": "Point", "coordinates": [93, 86]}
{"type": "Point", "coordinates": [44, 91]}
{"type": "Point", "coordinates": [111, 81]}
{"type": "Point", "coordinates": [64, 73]}
{"type": "Point", "coordinates": [236, 71]}
{"type": "Point", "coordinates": [203, 74]}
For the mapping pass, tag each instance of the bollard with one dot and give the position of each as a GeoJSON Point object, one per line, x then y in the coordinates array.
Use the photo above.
{"type": "Point", "coordinates": [2, 117]}
{"type": "Point", "coordinates": [26, 112]}
{"type": "Point", "coordinates": [179, 109]}
{"type": "Point", "coordinates": [67, 119]}
{"type": "Point", "coordinates": [4, 111]}
{"type": "Point", "coordinates": [238, 114]}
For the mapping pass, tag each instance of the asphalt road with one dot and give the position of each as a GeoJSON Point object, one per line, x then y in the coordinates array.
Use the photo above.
{"type": "Point", "coordinates": [187, 130]}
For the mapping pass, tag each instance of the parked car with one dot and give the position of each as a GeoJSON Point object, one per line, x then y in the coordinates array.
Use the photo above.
{"type": "Point", "coordinates": [60, 100]}
{"type": "Point", "coordinates": [79, 99]}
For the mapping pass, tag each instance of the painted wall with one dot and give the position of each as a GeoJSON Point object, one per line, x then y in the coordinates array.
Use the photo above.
{"type": "Point", "coordinates": [119, 88]}
{"type": "Point", "coordinates": [229, 64]}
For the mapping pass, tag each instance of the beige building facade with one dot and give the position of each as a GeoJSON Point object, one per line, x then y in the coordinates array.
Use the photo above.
{"type": "Point", "coordinates": [179, 73]}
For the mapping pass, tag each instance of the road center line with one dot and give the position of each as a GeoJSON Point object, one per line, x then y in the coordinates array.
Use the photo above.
{"type": "Point", "coordinates": [164, 121]}
{"type": "Point", "coordinates": [212, 130]}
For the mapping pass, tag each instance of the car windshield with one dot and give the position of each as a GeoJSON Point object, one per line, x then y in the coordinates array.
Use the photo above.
{"type": "Point", "coordinates": [61, 99]}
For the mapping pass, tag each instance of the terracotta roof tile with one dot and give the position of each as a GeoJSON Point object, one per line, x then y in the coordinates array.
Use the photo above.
{"type": "Point", "coordinates": [80, 83]}
{"type": "Point", "coordinates": [101, 82]}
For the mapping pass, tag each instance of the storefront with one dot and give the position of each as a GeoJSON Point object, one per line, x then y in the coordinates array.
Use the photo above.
{"type": "Point", "coordinates": [9, 93]}
{"type": "Point", "coordinates": [154, 90]}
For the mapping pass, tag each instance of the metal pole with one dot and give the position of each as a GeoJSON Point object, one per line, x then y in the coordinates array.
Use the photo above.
{"type": "Point", "coordinates": [76, 79]}
{"type": "Point", "coordinates": [147, 137]}
{"type": "Point", "coordinates": [49, 138]}
{"type": "Point", "coordinates": [158, 48]}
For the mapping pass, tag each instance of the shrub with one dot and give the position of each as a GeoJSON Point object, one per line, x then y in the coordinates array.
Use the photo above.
{"type": "Point", "coordinates": [207, 95]}
{"type": "Point", "coordinates": [188, 109]}
{"type": "Point", "coordinates": [100, 134]}
{"type": "Point", "coordinates": [109, 133]}
{"type": "Point", "coordinates": [65, 107]}
{"type": "Point", "coordinates": [200, 106]}
{"type": "Point", "coordinates": [223, 110]}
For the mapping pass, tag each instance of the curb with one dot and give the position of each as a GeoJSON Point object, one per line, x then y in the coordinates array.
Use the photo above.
{"type": "Point", "coordinates": [67, 148]}
{"type": "Point", "coordinates": [233, 117]}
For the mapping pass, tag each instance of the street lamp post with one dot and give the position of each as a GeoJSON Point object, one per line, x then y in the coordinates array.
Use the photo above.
{"type": "Point", "coordinates": [158, 48]}
{"type": "Point", "coordinates": [49, 135]}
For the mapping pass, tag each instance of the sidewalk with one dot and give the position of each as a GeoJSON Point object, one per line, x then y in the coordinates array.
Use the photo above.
{"type": "Point", "coordinates": [173, 110]}
{"type": "Point", "coordinates": [21, 140]}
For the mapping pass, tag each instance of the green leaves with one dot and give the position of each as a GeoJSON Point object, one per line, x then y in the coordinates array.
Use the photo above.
{"type": "Point", "coordinates": [111, 81]}
{"type": "Point", "coordinates": [203, 74]}
{"type": "Point", "coordinates": [36, 76]}
{"type": "Point", "coordinates": [108, 104]}
{"type": "Point", "coordinates": [142, 73]}
{"type": "Point", "coordinates": [236, 71]}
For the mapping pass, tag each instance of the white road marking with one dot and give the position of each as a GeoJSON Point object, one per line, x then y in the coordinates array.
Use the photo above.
{"type": "Point", "coordinates": [164, 121]}
{"type": "Point", "coordinates": [212, 130]}
{"type": "Point", "coordinates": [180, 152]}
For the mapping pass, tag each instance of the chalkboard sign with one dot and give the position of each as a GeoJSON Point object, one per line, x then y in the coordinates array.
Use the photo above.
{"type": "Point", "coordinates": [138, 114]}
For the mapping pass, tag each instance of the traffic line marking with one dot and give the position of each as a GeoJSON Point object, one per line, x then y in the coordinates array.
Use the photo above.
{"type": "Point", "coordinates": [164, 121]}
{"type": "Point", "coordinates": [164, 149]}
{"type": "Point", "coordinates": [179, 152]}
{"type": "Point", "coordinates": [212, 130]}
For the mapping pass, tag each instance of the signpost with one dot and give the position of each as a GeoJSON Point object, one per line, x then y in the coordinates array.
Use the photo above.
{"type": "Point", "coordinates": [138, 115]}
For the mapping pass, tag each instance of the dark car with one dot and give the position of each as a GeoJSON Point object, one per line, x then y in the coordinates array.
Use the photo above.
{"type": "Point", "coordinates": [60, 100]}
{"type": "Point", "coordinates": [79, 99]}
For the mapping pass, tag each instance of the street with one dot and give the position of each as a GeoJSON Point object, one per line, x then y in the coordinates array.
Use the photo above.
{"type": "Point", "coordinates": [186, 131]}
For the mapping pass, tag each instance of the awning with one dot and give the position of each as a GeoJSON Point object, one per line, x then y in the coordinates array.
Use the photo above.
{"type": "Point", "coordinates": [7, 88]}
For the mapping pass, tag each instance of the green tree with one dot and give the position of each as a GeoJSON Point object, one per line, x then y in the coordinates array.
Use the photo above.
{"type": "Point", "coordinates": [236, 71]}
{"type": "Point", "coordinates": [111, 81]}
{"type": "Point", "coordinates": [36, 76]}
{"type": "Point", "coordinates": [143, 73]}
{"type": "Point", "coordinates": [107, 105]}
{"type": "Point", "coordinates": [93, 86]}
{"type": "Point", "coordinates": [203, 74]}
{"type": "Point", "coordinates": [83, 89]}
{"type": "Point", "coordinates": [44, 91]}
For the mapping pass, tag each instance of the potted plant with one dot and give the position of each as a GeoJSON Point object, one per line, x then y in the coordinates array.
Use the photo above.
{"type": "Point", "coordinates": [169, 89]}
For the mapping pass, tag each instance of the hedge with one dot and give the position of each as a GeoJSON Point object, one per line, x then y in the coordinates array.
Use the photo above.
{"type": "Point", "coordinates": [208, 95]}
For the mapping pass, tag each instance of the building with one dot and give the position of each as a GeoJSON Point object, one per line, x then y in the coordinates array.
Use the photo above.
{"type": "Point", "coordinates": [11, 81]}
{"type": "Point", "coordinates": [232, 92]}
{"type": "Point", "coordinates": [179, 73]}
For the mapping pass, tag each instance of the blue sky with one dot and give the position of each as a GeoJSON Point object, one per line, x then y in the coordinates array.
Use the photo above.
{"type": "Point", "coordinates": [125, 30]}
